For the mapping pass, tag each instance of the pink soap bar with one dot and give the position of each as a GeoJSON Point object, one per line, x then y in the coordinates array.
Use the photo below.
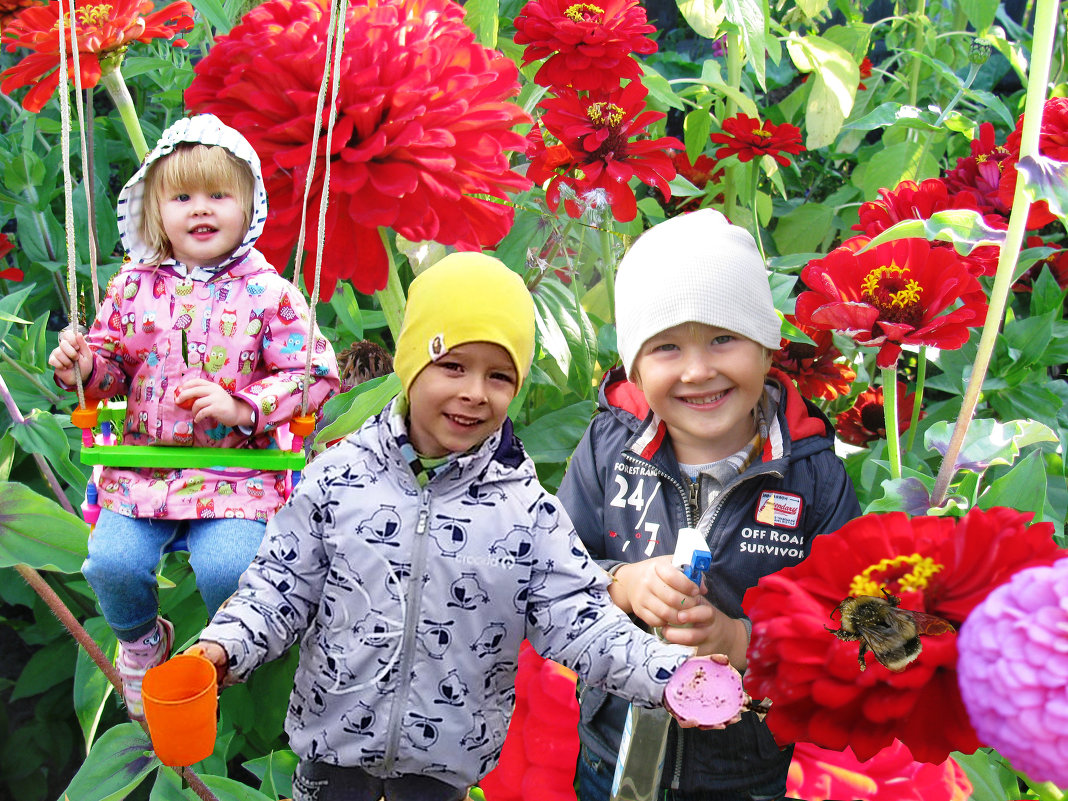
{"type": "Point", "coordinates": [705, 692]}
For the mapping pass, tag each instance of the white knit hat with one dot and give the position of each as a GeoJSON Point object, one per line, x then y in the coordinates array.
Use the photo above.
{"type": "Point", "coordinates": [695, 268]}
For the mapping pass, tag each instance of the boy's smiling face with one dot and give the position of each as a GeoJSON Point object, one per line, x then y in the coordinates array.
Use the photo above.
{"type": "Point", "coordinates": [458, 401]}
{"type": "Point", "coordinates": [704, 383]}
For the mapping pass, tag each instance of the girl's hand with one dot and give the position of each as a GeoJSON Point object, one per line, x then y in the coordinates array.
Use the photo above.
{"type": "Point", "coordinates": [207, 399]}
{"type": "Point", "coordinates": [72, 350]}
{"type": "Point", "coordinates": [655, 591]}
{"type": "Point", "coordinates": [215, 654]}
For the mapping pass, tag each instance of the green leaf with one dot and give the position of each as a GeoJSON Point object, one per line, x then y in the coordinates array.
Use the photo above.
{"type": "Point", "coordinates": [24, 171]}
{"type": "Point", "coordinates": [834, 75]}
{"type": "Point", "coordinates": [1046, 179]}
{"type": "Point", "coordinates": [91, 686]}
{"type": "Point", "coordinates": [41, 433]}
{"type": "Point", "coordinates": [352, 409]}
{"type": "Point", "coordinates": [660, 89]}
{"type": "Point", "coordinates": [696, 127]}
{"type": "Point", "coordinates": [10, 306]}
{"type": "Point", "coordinates": [482, 16]}
{"type": "Point", "coordinates": [1022, 488]}
{"type": "Point", "coordinates": [965, 228]}
{"type": "Point", "coordinates": [803, 229]}
{"type": "Point", "coordinates": [751, 18]}
{"type": "Point", "coordinates": [344, 304]}
{"type": "Point", "coordinates": [704, 16]}
{"type": "Point", "coordinates": [980, 13]}
{"type": "Point", "coordinates": [988, 442]}
{"type": "Point", "coordinates": [117, 763]}
{"type": "Point", "coordinates": [275, 772]}
{"type": "Point", "coordinates": [891, 165]}
{"type": "Point", "coordinates": [889, 114]}
{"type": "Point", "coordinates": [215, 14]}
{"type": "Point", "coordinates": [992, 779]}
{"type": "Point", "coordinates": [1028, 337]}
{"type": "Point", "coordinates": [553, 436]}
{"type": "Point", "coordinates": [47, 667]}
{"type": "Point", "coordinates": [38, 532]}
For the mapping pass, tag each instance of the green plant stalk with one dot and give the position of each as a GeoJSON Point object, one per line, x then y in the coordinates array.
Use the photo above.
{"type": "Point", "coordinates": [734, 80]}
{"type": "Point", "coordinates": [893, 444]}
{"type": "Point", "coordinates": [1046, 791]}
{"type": "Point", "coordinates": [918, 41]}
{"type": "Point", "coordinates": [921, 378]}
{"type": "Point", "coordinates": [391, 298]}
{"type": "Point", "coordinates": [42, 463]}
{"type": "Point", "coordinates": [111, 77]}
{"type": "Point", "coordinates": [609, 271]}
{"type": "Point", "coordinates": [1038, 76]}
{"type": "Point", "coordinates": [50, 396]}
{"type": "Point", "coordinates": [753, 207]}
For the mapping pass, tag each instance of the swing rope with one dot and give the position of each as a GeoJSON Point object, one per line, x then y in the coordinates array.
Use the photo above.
{"type": "Point", "coordinates": [335, 40]}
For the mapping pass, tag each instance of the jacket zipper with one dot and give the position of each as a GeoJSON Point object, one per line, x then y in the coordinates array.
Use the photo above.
{"type": "Point", "coordinates": [411, 623]}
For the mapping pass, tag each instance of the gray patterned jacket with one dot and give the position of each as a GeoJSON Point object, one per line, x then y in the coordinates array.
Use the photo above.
{"type": "Point", "coordinates": [411, 604]}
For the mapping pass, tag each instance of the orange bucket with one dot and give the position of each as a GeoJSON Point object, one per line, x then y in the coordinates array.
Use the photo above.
{"type": "Point", "coordinates": [180, 699]}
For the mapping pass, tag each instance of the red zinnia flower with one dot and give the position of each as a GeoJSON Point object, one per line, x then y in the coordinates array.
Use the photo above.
{"type": "Point", "coordinates": [1052, 143]}
{"type": "Point", "coordinates": [104, 29]}
{"type": "Point", "coordinates": [814, 368]}
{"type": "Point", "coordinates": [422, 129]}
{"type": "Point", "coordinates": [598, 131]}
{"type": "Point", "coordinates": [702, 172]}
{"type": "Point", "coordinates": [980, 173]}
{"type": "Point", "coordinates": [865, 72]}
{"type": "Point", "coordinates": [912, 201]}
{"type": "Point", "coordinates": [747, 138]}
{"type": "Point", "coordinates": [897, 293]}
{"type": "Point", "coordinates": [817, 774]}
{"type": "Point", "coordinates": [9, 8]}
{"type": "Point", "coordinates": [11, 273]}
{"type": "Point", "coordinates": [588, 45]}
{"type": "Point", "coordinates": [935, 565]}
{"type": "Point", "coordinates": [865, 420]}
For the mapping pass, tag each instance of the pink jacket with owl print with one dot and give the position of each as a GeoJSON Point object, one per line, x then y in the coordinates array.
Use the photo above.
{"type": "Point", "coordinates": [242, 326]}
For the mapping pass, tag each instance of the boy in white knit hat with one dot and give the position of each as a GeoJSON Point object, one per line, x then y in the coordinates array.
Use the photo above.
{"type": "Point", "coordinates": [704, 434]}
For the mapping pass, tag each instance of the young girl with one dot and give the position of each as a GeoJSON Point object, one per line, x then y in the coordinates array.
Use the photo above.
{"type": "Point", "coordinates": [208, 344]}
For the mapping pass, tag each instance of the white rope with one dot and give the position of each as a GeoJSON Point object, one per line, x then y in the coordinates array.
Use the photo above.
{"type": "Point", "coordinates": [335, 37]}
{"type": "Point", "coordinates": [87, 167]}
{"type": "Point", "coordinates": [68, 191]}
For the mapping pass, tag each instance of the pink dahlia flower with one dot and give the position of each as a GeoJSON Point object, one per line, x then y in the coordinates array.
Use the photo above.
{"type": "Point", "coordinates": [1012, 670]}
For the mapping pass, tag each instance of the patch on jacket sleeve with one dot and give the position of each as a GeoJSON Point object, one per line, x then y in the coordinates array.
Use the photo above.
{"type": "Point", "coordinates": [782, 509]}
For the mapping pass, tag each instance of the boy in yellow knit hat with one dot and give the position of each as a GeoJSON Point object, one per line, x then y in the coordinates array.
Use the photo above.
{"type": "Point", "coordinates": [414, 558]}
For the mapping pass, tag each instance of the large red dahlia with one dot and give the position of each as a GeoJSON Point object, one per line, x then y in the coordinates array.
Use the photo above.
{"type": "Point", "coordinates": [599, 133]}
{"type": "Point", "coordinates": [936, 565]}
{"type": "Point", "coordinates": [1052, 143]}
{"type": "Point", "coordinates": [104, 29]}
{"type": "Point", "coordinates": [587, 45]}
{"type": "Point", "coordinates": [898, 293]}
{"type": "Point", "coordinates": [747, 138]}
{"type": "Point", "coordinates": [423, 127]}
{"type": "Point", "coordinates": [980, 173]}
{"type": "Point", "coordinates": [814, 368]}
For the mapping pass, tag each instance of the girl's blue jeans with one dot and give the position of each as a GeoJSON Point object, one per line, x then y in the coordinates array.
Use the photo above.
{"type": "Point", "coordinates": [124, 553]}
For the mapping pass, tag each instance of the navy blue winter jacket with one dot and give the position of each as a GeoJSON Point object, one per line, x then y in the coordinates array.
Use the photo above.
{"type": "Point", "coordinates": [627, 498]}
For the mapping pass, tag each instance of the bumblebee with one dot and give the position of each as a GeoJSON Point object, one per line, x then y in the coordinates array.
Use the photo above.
{"type": "Point", "coordinates": [892, 634]}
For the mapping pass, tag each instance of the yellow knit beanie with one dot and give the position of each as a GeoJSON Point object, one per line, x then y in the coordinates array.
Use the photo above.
{"type": "Point", "coordinates": [465, 297]}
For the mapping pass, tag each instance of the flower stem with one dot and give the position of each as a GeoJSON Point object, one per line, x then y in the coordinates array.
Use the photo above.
{"type": "Point", "coordinates": [921, 378]}
{"type": "Point", "coordinates": [918, 40]}
{"type": "Point", "coordinates": [391, 298]}
{"type": "Point", "coordinates": [50, 396]}
{"type": "Point", "coordinates": [1037, 79]}
{"type": "Point", "coordinates": [734, 80]}
{"type": "Point", "coordinates": [756, 217]}
{"type": "Point", "coordinates": [608, 271]}
{"type": "Point", "coordinates": [120, 96]}
{"type": "Point", "coordinates": [893, 445]}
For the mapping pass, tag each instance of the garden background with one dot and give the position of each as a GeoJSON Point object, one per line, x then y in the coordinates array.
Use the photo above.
{"type": "Point", "coordinates": [879, 151]}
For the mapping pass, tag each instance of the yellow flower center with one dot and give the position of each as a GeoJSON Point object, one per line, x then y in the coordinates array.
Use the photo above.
{"type": "Point", "coordinates": [893, 291]}
{"type": "Point", "coordinates": [94, 15]}
{"type": "Point", "coordinates": [895, 570]}
{"type": "Point", "coordinates": [607, 114]}
{"type": "Point", "coordinates": [584, 12]}
{"type": "Point", "coordinates": [762, 133]}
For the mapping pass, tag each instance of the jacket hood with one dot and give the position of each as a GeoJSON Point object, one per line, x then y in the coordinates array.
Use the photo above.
{"type": "Point", "coordinates": [204, 129]}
